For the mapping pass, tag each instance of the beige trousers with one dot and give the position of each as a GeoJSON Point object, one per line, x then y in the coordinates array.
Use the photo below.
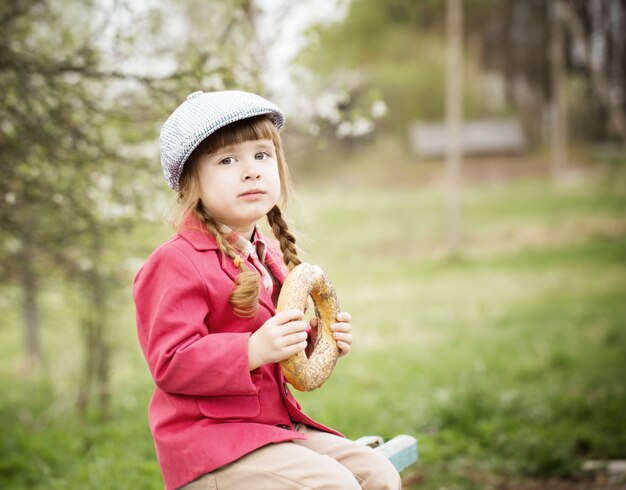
{"type": "Point", "coordinates": [324, 461]}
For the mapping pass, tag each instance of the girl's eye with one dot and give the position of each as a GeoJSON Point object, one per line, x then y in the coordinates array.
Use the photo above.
{"type": "Point", "coordinates": [261, 155]}
{"type": "Point", "coordinates": [226, 161]}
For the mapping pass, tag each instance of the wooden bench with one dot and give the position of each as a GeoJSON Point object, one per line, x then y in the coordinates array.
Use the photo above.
{"type": "Point", "coordinates": [401, 450]}
{"type": "Point", "coordinates": [478, 138]}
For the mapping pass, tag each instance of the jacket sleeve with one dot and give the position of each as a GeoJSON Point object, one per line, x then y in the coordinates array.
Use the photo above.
{"type": "Point", "coordinates": [172, 301]}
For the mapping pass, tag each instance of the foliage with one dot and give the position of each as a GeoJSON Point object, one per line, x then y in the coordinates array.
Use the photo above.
{"type": "Point", "coordinates": [511, 356]}
{"type": "Point", "coordinates": [397, 48]}
{"type": "Point", "coordinates": [516, 40]}
{"type": "Point", "coordinates": [81, 106]}
{"type": "Point", "coordinates": [506, 361]}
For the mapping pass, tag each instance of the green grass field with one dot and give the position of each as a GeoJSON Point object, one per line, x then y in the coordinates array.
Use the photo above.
{"type": "Point", "coordinates": [506, 362]}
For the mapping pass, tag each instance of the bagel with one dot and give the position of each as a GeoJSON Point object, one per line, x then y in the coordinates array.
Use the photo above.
{"type": "Point", "coordinates": [308, 373]}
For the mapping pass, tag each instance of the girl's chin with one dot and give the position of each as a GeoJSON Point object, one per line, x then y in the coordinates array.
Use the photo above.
{"type": "Point", "coordinates": [247, 220]}
{"type": "Point", "coordinates": [246, 215]}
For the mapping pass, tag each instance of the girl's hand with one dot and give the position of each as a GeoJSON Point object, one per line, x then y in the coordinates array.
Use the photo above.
{"type": "Point", "coordinates": [280, 337]}
{"type": "Point", "coordinates": [342, 333]}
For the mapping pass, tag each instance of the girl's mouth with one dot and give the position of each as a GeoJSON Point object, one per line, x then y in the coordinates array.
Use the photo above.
{"type": "Point", "coordinates": [251, 194]}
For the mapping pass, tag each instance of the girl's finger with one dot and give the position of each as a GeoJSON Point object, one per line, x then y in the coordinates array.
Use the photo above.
{"type": "Point", "coordinates": [341, 327]}
{"type": "Point", "coordinates": [343, 348]}
{"type": "Point", "coordinates": [294, 349]}
{"type": "Point", "coordinates": [286, 316]}
{"type": "Point", "coordinates": [344, 316]}
{"type": "Point", "coordinates": [295, 338]}
{"type": "Point", "coordinates": [343, 337]}
{"type": "Point", "coordinates": [294, 327]}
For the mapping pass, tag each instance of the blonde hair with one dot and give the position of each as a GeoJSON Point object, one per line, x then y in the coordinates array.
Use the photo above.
{"type": "Point", "coordinates": [244, 298]}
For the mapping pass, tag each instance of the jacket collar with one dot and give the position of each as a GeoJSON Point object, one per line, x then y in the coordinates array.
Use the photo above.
{"type": "Point", "coordinates": [192, 230]}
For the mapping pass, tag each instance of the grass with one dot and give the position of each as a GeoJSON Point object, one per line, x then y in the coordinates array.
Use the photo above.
{"type": "Point", "coordinates": [507, 360]}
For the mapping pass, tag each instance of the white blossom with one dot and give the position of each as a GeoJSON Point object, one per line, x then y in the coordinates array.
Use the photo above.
{"type": "Point", "coordinates": [379, 109]}
{"type": "Point", "coordinates": [313, 129]}
{"type": "Point", "coordinates": [344, 130]}
{"type": "Point", "coordinates": [12, 245]}
{"type": "Point", "coordinates": [362, 127]}
{"type": "Point", "coordinates": [326, 107]}
{"type": "Point", "coordinates": [84, 264]}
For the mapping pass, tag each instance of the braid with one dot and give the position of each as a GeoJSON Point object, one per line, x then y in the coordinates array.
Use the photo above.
{"type": "Point", "coordinates": [284, 236]}
{"type": "Point", "coordinates": [244, 298]}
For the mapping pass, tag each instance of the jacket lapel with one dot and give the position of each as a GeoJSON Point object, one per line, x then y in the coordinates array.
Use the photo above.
{"type": "Point", "coordinates": [228, 266]}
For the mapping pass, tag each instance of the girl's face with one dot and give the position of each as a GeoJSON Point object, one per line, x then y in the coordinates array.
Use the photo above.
{"type": "Point", "coordinates": [240, 183]}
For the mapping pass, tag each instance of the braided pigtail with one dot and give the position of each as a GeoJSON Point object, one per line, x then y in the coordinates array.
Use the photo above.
{"type": "Point", "coordinates": [286, 239]}
{"type": "Point", "coordinates": [244, 298]}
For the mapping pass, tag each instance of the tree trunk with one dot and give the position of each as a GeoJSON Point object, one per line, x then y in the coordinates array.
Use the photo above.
{"type": "Point", "coordinates": [600, 82]}
{"type": "Point", "coordinates": [33, 358]}
{"type": "Point", "coordinates": [558, 116]}
{"type": "Point", "coordinates": [95, 382]}
{"type": "Point", "coordinates": [454, 119]}
{"type": "Point", "coordinates": [618, 27]}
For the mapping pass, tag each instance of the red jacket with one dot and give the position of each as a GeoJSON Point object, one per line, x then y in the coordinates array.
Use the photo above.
{"type": "Point", "coordinates": [208, 409]}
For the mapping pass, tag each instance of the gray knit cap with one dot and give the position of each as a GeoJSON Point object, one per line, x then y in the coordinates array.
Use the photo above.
{"type": "Point", "coordinates": [200, 115]}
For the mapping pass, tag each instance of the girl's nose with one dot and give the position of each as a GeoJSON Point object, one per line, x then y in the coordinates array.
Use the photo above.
{"type": "Point", "coordinates": [251, 171]}
{"type": "Point", "coordinates": [251, 175]}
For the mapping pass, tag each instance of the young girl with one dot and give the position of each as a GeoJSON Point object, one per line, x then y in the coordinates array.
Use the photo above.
{"type": "Point", "coordinates": [222, 415]}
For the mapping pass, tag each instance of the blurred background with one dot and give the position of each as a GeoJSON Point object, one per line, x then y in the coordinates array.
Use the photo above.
{"type": "Point", "coordinates": [460, 169]}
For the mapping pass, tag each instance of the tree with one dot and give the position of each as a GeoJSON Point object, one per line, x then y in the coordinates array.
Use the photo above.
{"type": "Point", "coordinates": [558, 106]}
{"type": "Point", "coordinates": [607, 90]}
{"type": "Point", "coordinates": [509, 38]}
{"type": "Point", "coordinates": [81, 96]}
{"type": "Point", "coordinates": [515, 37]}
{"type": "Point", "coordinates": [454, 121]}
{"type": "Point", "coordinates": [60, 146]}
